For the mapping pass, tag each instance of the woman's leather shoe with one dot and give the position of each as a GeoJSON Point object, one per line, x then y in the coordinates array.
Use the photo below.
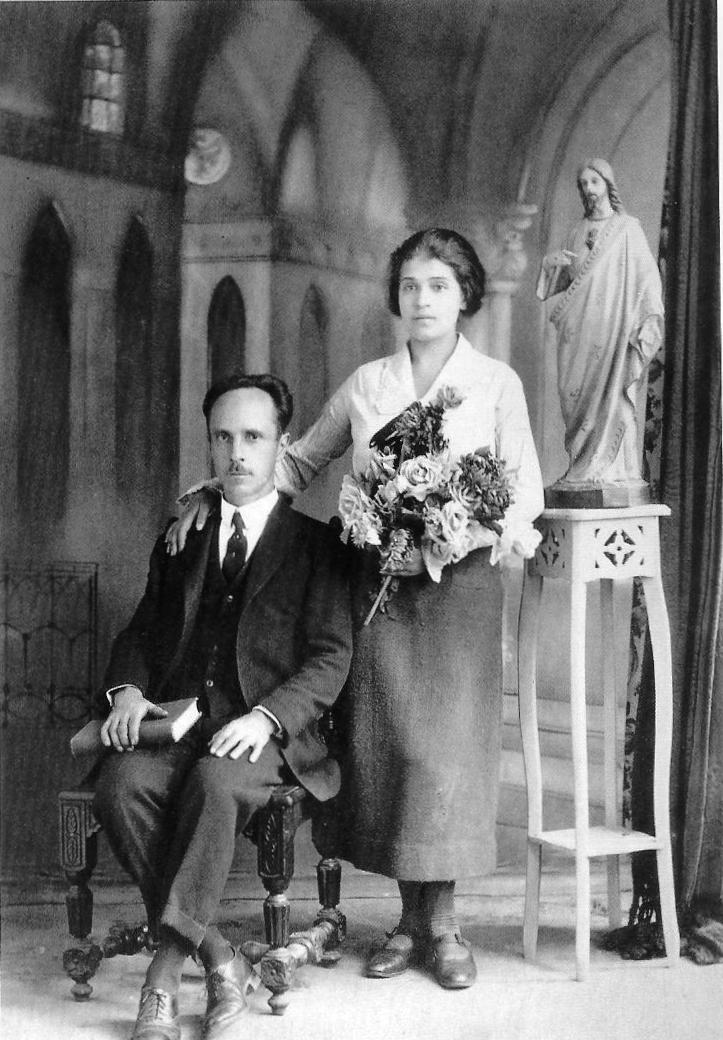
{"type": "Point", "coordinates": [450, 958]}
{"type": "Point", "coordinates": [394, 957]}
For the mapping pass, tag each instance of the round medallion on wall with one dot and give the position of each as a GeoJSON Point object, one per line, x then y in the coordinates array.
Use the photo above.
{"type": "Point", "coordinates": [208, 158]}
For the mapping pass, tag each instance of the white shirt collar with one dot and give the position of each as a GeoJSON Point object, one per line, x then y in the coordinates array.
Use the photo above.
{"type": "Point", "coordinates": [253, 514]}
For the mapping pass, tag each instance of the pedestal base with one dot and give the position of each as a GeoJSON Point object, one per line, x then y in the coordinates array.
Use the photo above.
{"type": "Point", "coordinates": [596, 496]}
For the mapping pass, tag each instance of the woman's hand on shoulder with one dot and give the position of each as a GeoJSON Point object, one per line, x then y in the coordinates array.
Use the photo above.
{"type": "Point", "coordinates": [195, 512]}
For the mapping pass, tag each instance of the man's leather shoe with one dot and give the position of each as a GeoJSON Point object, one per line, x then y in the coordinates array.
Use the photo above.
{"type": "Point", "coordinates": [394, 957]}
{"type": "Point", "coordinates": [450, 958]}
{"type": "Point", "coordinates": [226, 990]}
{"type": "Point", "coordinates": [157, 1016]}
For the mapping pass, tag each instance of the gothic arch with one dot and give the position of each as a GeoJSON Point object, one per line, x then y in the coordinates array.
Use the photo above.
{"type": "Point", "coordinates": [44, 372]}
{"type": "Point", "coordinates": [134, 345]}
{"type": "Point", "coordinates": [226, 330]}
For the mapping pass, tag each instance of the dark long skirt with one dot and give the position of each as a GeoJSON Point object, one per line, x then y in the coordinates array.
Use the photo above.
{"type": "Point", "coordinates": [424, 705]}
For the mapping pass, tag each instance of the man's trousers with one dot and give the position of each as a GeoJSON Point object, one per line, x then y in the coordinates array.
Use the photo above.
{"type": "Point", "coordinates": [172, 815]}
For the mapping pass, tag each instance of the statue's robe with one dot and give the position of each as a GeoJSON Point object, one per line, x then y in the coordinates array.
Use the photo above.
{"type": "Point", "coordinates": [609, 324]}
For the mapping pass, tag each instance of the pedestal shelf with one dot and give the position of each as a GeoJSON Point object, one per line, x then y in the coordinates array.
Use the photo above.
{"type": "Point", "coordinates": [601, 841]}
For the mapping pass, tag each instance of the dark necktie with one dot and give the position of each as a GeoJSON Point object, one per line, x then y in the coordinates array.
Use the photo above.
{"type": "Point", "coordinates": [235, 556]}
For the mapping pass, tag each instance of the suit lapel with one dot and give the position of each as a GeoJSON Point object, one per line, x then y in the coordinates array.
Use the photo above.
{"type": "Point", "coordinates": [195, 573]}
{"type": "Point", "coordinates": [269, 553]}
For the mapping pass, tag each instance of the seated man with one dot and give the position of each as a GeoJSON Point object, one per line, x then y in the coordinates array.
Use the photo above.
{"type": "Point", "coordinates": [253, 617]}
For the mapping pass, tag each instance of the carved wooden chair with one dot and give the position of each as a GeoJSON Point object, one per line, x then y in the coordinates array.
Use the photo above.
{"type": "Point", "coordinates": [273, 830]}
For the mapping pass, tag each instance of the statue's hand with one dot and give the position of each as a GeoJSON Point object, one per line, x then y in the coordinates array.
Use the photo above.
{"type": "Point", "coordinates": [561, 258]}
{"type": "Point", "coordinates": [196, 510]}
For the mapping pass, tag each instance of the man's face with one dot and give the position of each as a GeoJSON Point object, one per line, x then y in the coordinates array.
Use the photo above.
{"type": "Point", "coordinates": [593, 189]}
{"type": "Point", "coordinates": [245, 444]}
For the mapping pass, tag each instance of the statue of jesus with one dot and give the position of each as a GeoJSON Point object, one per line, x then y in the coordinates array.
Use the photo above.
{"type": "Point", "coordinates": [606, 305]}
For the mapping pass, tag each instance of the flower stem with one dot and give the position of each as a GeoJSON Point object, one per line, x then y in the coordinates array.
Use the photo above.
{"type": "Point", "coordinates": [378, 600]}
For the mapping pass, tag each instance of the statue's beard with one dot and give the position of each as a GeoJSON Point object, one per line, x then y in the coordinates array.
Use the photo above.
{"type": "Point", "coordinates": [589, 202]}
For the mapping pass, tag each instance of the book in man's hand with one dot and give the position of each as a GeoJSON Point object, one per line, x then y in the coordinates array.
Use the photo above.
{"type": "Point", "coordinates": [181, 716]}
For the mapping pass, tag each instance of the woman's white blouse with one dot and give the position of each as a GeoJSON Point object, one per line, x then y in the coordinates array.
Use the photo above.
{"type": "Point", "coordinates": [493, 414]}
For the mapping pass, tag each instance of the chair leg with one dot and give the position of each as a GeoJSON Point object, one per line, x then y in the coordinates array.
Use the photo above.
{"type": "Point", "coordinates": [328, 879]}
{"type": "Point", "coordinates": [277, 826]}
{"type": "Point", "coordinates": [277, 914]}
{"type": "Point", "coordinates": [78, 856]}
{"type": "Point", "coordinates": [277, 965]}
{"type": "Point", "coordinates": [283, 953]}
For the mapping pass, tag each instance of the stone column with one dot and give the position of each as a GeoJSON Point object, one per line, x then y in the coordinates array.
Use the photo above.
{"type": "Point", "coordinates": [505, 275]}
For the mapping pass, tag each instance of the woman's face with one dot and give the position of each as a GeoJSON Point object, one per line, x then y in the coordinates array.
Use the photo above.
{"type": "Point", "coordinates": [430, 299]}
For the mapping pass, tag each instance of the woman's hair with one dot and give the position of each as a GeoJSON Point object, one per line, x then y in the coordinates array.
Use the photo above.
{"type": "Point", "coordinates": [454, 251]}
{"type": "Point", "coordinates": [276, 388]}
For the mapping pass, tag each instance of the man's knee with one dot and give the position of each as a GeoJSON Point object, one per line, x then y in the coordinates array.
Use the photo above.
{"type": "Point", "coordinates": [230, 784]}
{"type": "Point", "coordinates": [119, 785]}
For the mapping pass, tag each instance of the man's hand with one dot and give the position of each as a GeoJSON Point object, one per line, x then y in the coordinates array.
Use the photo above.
{"type": "Point", "coordinates": [249, 731]}
{"type": "Point", "coordinates": [130, 707]}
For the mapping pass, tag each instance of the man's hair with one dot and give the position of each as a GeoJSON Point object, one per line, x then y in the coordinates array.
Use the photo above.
{"type": "Point", "coordinates": [603, 169]}
{"type": "Point", "coordinates": [454, 251]}
{"type": "Point", "coordinates": [276, 388]}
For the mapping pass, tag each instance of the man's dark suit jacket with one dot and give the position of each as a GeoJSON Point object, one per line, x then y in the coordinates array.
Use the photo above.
{"type": "Point", "coordinates": [293, 642]}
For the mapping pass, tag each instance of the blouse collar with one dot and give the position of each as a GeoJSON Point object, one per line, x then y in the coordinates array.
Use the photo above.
{"type": "Point", "coordinates": [454, 372]}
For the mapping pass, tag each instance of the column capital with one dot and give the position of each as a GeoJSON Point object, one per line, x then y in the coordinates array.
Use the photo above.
{"type": "Point", "coordinates": [511, 258]}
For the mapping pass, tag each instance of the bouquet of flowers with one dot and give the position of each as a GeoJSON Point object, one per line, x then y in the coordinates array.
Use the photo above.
{"type": "Point", "coordinates": [413, 495]}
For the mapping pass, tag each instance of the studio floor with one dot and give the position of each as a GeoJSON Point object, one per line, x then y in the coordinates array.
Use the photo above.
{"type": "Point", "coordinates": [512, 999]}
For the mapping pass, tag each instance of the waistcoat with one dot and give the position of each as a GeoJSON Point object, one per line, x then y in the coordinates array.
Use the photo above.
{"type": "Point", "coordinates": [209, 663]}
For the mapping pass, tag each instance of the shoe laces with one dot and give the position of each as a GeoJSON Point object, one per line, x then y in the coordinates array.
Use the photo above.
{"type": "Point", "coordinates": [156, 1003]}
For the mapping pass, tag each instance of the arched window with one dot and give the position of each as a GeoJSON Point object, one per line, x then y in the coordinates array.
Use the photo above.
{"type": "Point", "coordinates": [44, 373]}
{"type": "Point", "coordinates": [377, 338]}
{"type": "Point", "coordinates": [226, 330]}
{"type": "Point", "coordinates": [103, 82]}
{"type": "Point", "coordinates": [299, 189]}
{"type": "Point", "coordinates": [133, 381]}
{"type": "Point", "coordinates": [313, 380]}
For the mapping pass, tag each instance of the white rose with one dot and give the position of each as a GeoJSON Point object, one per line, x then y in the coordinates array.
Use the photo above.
{"type": "Point", "coordinates": [421, 476]}
{"type": "Point", "coordinates": [354, 503]}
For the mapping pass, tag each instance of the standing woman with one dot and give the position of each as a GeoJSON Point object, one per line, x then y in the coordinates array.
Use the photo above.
{"type": "Point", "coordinates": [424, 696]}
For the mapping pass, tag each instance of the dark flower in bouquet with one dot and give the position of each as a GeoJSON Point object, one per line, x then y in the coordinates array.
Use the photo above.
{"type": "Point", "coordinates": [413, 495]}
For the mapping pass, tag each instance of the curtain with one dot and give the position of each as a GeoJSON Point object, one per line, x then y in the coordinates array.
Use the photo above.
{"type": "Point", "coordinates": [692, 540]}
